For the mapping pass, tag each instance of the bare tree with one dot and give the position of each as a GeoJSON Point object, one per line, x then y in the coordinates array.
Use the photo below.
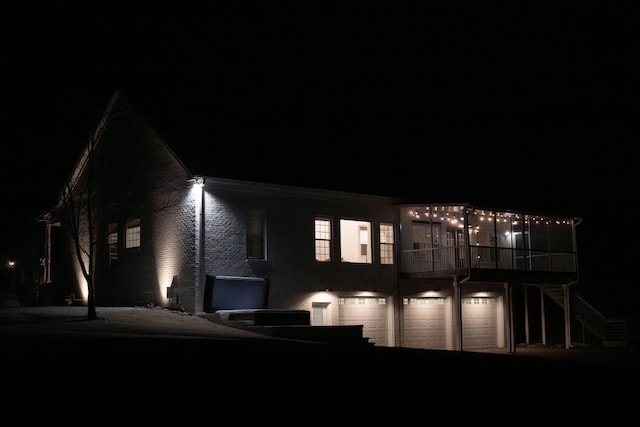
{"type": "Point", "coordinates": [77, 215]}
{"type": "Point", "coordinates": [77, 209]}
{"type": "Point", "coordinates": [88, 197]}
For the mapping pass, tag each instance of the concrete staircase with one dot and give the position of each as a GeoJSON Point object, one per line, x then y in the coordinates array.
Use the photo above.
{"type": "Point", "coordinates": [289, 324]}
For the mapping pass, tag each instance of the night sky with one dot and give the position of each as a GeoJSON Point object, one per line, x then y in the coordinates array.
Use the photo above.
{"type": "Point", "coordinates": [514, 107]}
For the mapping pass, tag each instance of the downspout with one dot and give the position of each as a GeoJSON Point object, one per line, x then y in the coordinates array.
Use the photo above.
{"type": "Point", "coordinates": [47, 266]}
{"type": "Point", "coordinates": [567, 310]}
{"type": "Point", "coordinates": [46, 263]}
{"type": "Point", "coordinates": [525, 290]}
{"type": "Point", "coordinates": [46, 277]}
{"type": "Point", "coordinates": [567, 291]}
{"type": "Point", "coordinates": [465, 279]}
{"type": "Point", "coordinates": [543, 323]}
{"type": "Point", "coordinates": [200, 281]}
{"type": "Point", "coordinates": [459, 302]}
{"type": "Point", "coordinates": [512, 329]}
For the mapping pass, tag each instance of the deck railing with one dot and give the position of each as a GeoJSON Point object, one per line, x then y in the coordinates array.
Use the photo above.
{"type": "Point", "coordinates": [486, 257]}
{"type": "Point", "coordinates": [612, 331]}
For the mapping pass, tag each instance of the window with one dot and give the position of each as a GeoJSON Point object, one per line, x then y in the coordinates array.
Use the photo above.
{"type": "Point", "coordinates": [323, 239]}
{"type": "Point", "coordinates": [355, 241]}
{"type": "Point", "coordinates": [112, 242]}
{"type": "Point", "coordinates": [386, 244]}
{"type": "Point", "coordinates": [255, 235]}
{"type": "Point", "coordinates": [132, 235]}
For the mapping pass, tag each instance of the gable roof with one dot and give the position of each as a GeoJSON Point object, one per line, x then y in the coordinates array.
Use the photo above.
{"type": "Point", "coordinates": [380, 158]}
{"type": "Point", "coordinates": [118, 104]}
{"type": "Point", "coordinates": [273, 152]}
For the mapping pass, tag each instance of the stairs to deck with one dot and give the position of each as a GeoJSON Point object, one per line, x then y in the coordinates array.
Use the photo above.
{"type": "Point", "coordinates": [612, 332]}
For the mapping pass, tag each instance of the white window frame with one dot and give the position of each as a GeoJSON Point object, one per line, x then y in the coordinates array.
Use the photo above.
{"type": "Point", "coordinates": [387, 244]}
{"type": "Point", "coordinates": [132, 234]}
{"type": "Point", "coordinates": [112, 243]}
{"type": "Point", "coordinates": [356, 241]}
{"type": "Point", "coordinates": [322, 239]}
{"type": "Point", "coordinates": [256, 239]}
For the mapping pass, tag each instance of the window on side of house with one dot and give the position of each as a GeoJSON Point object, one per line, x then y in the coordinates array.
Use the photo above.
{"type": "Point", "coordinates": [323, 239]}
{"type": "Point", "coordinates": [112, 242]}
{"type": "Point", "coordinates": [132, 234]}
{"type": "Point", "coordinates": [386, 244]}
{"type": "Point", "coordinates": [355, 241]}
{"type": "Point", "coordinates": [256, 235]}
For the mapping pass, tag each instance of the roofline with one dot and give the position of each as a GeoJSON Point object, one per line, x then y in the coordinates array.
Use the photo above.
{"type": "Point", "coordinates": [293, 191]}
{"type": "Point", "coordinates": [94, 139]}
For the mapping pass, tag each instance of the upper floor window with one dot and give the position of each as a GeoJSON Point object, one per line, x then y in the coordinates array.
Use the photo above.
{"type": "Point", "coordinates": [386, 243]}
{"type": "Point", "coordinates": [112, 242]}
{"type": "Point", "coordinates": [132, 234]}
{"type": "Point", "coordinates": [323, 239]}
{"type": "Point", "coordinates": [355, 241]}
{"type": "Point", "coordinates": [255, 235]}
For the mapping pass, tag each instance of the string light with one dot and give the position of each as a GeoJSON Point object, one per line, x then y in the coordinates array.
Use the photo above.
{"type": "Point", "coordinates": [451, 215]}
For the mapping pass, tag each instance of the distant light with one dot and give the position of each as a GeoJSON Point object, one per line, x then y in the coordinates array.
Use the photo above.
{"type": "Point", "coordinates": [11, 263]}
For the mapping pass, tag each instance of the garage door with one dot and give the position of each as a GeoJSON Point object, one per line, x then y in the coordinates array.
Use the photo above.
{"type": "Point", "coordinates": [479, 323]}
{"type": "Point", "coordinates": [424, 323]}
{"type": "Point", "coordinates": [370, 312]}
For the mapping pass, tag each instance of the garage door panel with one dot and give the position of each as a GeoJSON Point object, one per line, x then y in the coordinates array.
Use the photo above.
{"type": "Point", "coordinates": [424, 323]}
{"type": "Point", "coordinates": [479, 323]}
{"type": "Point", "coordinates": [370, 312]}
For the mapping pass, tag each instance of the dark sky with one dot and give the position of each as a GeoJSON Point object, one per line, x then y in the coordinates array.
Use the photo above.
{"type": "Point", "coordinates": [512, 106]}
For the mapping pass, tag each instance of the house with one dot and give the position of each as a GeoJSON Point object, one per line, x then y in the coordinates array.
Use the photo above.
{"type": "Point", "coordinates": [428, 275]}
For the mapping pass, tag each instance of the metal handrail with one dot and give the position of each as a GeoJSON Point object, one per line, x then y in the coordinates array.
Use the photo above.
{"type": "Point", "coordinates": [612, 332]}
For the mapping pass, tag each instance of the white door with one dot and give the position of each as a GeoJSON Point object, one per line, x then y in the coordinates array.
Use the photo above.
{"type": "Point", "coordinates": [479, 323]}
{"type": "Point", "coordinates": [319, 314]}
{"type": "Point", "coordinates": [424, 323]}
{"type": "Point", "coordinates": [370, 312]}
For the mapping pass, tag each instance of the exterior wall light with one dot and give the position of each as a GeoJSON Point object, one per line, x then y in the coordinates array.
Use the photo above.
{"type": "Point", "coordinates": [199, 180]}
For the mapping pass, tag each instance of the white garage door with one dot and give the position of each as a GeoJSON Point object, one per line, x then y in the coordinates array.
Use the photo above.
{"type": "Point", "coordinates": [479, 323]}
{"type": "Point", "coordinates": [424, 323]}
{"type": "Point", "coordinates": [370, 312]}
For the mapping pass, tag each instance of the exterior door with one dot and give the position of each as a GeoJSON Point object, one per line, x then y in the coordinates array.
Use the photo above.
{"type": "Point", "coordinates": [456, 250]}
